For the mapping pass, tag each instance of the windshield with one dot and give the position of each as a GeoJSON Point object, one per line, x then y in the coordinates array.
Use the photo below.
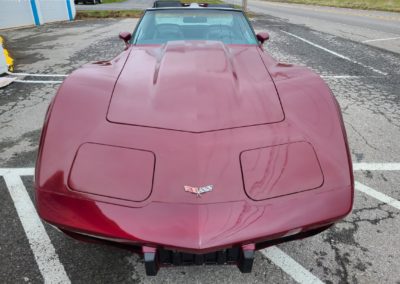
{"type": "Point", "coordinates": [160, 26]}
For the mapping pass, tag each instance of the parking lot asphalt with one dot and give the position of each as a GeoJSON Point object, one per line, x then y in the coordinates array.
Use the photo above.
{"type": "Point", "coordinates": [363, 248]}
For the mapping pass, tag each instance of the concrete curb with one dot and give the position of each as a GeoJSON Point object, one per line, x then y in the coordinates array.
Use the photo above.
{"type": "Point", "coordinates": [6, 61]}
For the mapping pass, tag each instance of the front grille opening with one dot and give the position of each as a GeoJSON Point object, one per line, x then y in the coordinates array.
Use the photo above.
{"type": "Point", "coordinates": [227, 256]}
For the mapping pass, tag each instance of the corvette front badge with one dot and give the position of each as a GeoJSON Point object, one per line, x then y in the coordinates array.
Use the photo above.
{"type": "Point", "coordinates": [199, 190]}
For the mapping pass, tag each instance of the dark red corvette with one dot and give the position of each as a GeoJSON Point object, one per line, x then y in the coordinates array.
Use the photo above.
{"type": "Point", "coordinates": [193, 145]}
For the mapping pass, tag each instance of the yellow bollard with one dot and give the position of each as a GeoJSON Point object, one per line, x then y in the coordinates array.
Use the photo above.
{"type": "Point", "coordinates": [9, 59]}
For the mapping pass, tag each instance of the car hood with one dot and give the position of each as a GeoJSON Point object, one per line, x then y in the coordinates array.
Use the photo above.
{"type": "Point", "coordinates": [195, 87]}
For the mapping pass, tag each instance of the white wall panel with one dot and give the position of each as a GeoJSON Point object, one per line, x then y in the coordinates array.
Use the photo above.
{"type": "Point", "coordinates": [15, 13]}
{"type": "Point", "coordinates": [52, 10]}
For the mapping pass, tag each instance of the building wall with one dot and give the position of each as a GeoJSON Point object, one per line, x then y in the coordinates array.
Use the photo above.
{"type": "Point", "coordinates": [14, 13]}
{"type": "Point", "coordinates": [54, 10]}
{"type": "Point", "coordinates": [17, 13]}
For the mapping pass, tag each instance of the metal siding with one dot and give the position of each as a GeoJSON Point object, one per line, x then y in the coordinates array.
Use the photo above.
{"type": "Point", "coordinates": [53, 10]}
{"type": "Point", "coordinates": [70, 16]}
{"type": "Point", "coordinates": [16, 13]}
{"type": "Point", "coordinates": [73, 8]}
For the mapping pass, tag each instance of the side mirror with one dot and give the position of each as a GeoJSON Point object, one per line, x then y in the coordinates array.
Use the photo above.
{"type": "Point", "coordinates": [125, 36]}
{"type": "Point", "coordinates": [262, 37]}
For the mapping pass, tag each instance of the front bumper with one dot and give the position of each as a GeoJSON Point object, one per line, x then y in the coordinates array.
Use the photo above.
{"type": "Point", "coordinates": [197, 228]}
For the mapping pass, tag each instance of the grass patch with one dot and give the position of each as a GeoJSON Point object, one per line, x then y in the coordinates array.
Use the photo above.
{"type": "Point", "coordinates": [382, 5]}
{"type": "Point", "coordinates": [101, 14]}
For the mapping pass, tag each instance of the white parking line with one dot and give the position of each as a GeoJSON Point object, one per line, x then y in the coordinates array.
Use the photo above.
{"type": "Point", "coordinates": [36, 75]}
{"type": "Point", "coordinates": [381, 39]}
{"type": "Point", "coordinates": [37, 82]}
{"type": "Point", "coordinates": [376, 167]}
{"type": "Point", "coordinates": [46, 257]}
{"type": "Point", "coordinates": [335, 53]}
{"type": "Point", "coordinates": [341, 76]}
{"type": "Point", "coordinates": [290, 266]}
{"type": "Point", "coordinates": [17, 171]}
{"type": "Point", "coordinates": [377, 195]}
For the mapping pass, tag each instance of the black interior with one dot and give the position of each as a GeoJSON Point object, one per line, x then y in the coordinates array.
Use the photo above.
{"type": "Point", "coordinates": [192, 32]}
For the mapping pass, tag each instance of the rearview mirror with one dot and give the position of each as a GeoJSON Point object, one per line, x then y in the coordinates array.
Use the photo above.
{"type": "Point", "coordinates": [125, 36]}
{"type": "Point", "coordinates": [262, 37]}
